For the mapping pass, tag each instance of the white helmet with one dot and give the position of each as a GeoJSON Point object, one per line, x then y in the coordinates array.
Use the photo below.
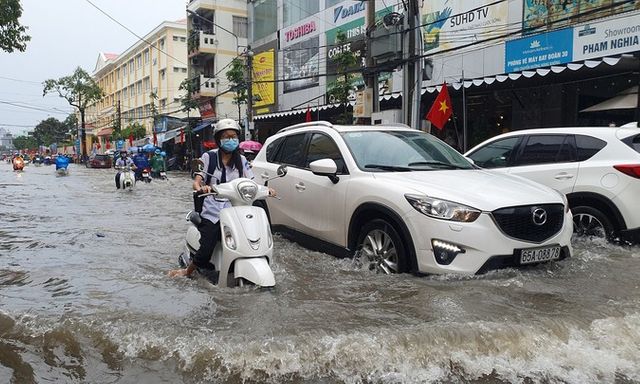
{"type": "Point", "coordinates": [225, 124]}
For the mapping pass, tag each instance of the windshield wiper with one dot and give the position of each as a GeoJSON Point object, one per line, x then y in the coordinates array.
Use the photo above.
{"type": "Point", "coordinates": [448, 165]}
{"type": "Point", "coordinates": [389, 167]}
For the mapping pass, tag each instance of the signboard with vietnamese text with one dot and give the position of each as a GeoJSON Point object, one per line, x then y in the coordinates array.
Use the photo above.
{"type": "Point", "coordinates": [448, 24]}
{"type": "Point", "coordinates": [611, 37]}
{"type": "Point", "coordinates": [538, 51]}
{"type": "Point", "coordinates": [264, 75]}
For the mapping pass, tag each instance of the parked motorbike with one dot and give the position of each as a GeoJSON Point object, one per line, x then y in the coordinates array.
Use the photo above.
{"type": "Point", "coordinates": [126, 178]}
{"type": "Point", "coordinates": [243, 256]}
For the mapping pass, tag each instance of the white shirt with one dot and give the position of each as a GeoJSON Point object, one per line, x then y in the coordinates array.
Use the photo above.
{"type": "Point", "coordinates": [211, 207]}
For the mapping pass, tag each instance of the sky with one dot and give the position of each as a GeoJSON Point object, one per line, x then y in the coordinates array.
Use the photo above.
{"type": "Point", "coordinates": [66, 34]}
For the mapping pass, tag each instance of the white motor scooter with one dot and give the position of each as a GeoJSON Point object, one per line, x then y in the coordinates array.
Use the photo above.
{"type": "Point", "coordinates": [126, 178]}
{"type": "Point", "coordinates": [243, 256]}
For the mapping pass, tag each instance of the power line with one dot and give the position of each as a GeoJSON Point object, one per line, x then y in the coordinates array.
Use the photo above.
{"type": "Point", "coordinates": [133, 33]}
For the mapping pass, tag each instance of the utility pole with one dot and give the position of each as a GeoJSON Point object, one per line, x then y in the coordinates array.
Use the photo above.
{"type": "Point", "coordinates": [119, 117]}
{"type": "Point", "coordinates": [412, 68]}
{"type": "Point", "coordinates": [249, 125]}
{"type": "Point", "coordinates": [372, 77]}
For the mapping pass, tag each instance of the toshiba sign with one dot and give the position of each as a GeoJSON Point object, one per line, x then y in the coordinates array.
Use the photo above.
{"type": "Point", "coordinates": [299, 31]}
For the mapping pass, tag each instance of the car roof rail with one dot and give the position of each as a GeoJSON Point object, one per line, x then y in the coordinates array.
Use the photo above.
{"type": "Point", "coordinates": [307, 124]}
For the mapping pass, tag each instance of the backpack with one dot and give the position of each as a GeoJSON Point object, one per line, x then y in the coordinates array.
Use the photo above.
{"type": "Point", "coordinates": [213, 166]}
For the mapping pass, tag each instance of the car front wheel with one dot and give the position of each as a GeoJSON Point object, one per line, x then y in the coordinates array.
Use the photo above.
{"type": "Point", "coordinates": [381, 247]}
{"type": "Point", "coordinates": [591, 222]}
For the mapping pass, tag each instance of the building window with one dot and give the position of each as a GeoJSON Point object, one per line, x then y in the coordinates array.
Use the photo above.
{"type": "Point", "coordinates": [139, 61]}
{"type": "Point", "coordinates": [296, 10]}
{"type": "Point", "coordinates": [162, 72]}
{"type": "Point", "coordinates": [183, 39]}
{"type": "Point", "coordinates": [184, 70]}
{"type": "Point", "coordinates": [155, 61]}
{"type": "Point", "coordinates": [331, 3]}
{"type": "Point", "coordinates": [124, 70]}
{"type": "Point", "coordinates": [163, 104]}
{"type": "Point", "coordinates": [176, 69]}
{"type": "Point", "coordinates": [161, 43]}
{"type": "Point", "coordinates": [139, 85]}
{"type": "Point", "coordinates": [131, 66]}
{"type": "Point", "coordinates": [175, 38]}
{"type": "Point", "coordinates": [132, 91]}
{"type": "Point", "coordinates": [240, 27]}
{"type": "Point", "coordinates": [146, 84]}
{"type": "Point", "coordinates": [265, 18]}
{"type": "Point", "coordinates": [146, 56]}
{"type": "Point", "coordinates": [118, 74]}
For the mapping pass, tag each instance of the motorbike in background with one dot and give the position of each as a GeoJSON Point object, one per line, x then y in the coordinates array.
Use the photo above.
{"type": "Point", "coordinates": [62, 164]}
{"type": "Point", "coordinates": [146, 175]}
{"type": "Point", "coordinates": [125, 178]}
{"type": "Point", "coordinates": [18, 164]}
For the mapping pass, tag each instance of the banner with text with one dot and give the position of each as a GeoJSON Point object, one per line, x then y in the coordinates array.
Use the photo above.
{"type": "Point", "coordinates": [448, 24]}
{"type": "Point", "coordinates": [538, 51]}
{"type": "Point", "coordinates": [264, 70]}
{"type": "Point", "coordinates": [611, 37]}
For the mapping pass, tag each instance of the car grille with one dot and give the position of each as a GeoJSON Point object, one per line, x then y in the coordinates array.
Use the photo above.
{"type": "Point", "coordinates": [518, 222]}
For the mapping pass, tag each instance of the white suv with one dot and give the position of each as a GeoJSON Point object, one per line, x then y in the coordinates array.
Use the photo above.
{"type": "Point", "coordinates": [597, 168]}
{"type": "Point", "coordinates": [408, 201]}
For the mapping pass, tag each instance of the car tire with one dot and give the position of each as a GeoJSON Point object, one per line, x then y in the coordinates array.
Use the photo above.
{"type": "Point", "coordinates": [591, 222]}
{"type": "Point", "coordinates": [380, 245]}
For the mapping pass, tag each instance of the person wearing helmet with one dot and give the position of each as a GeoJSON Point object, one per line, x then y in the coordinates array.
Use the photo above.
{"type": "Point", "coordinates": [157, 164]}
{"type": "Point", "coordinates": [222, 165]}
{"type": "Point", "coordinates": [123, 162]}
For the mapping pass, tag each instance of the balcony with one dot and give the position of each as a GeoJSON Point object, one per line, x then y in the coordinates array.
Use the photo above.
{"type": "Point", "coordinates": [202, 42]}
{"type": "Point", "coordinates": [195, 5]}
{"type": "Point", "coordinates": [203, 86]}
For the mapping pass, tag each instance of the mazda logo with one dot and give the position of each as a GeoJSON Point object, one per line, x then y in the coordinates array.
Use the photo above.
{"type": "Point", "coordinates": [539, 216]}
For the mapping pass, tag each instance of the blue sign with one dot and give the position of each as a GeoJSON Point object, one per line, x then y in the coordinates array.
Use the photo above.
{"type": "Point", "coordinates": [77, 145]}
{"type": "Point", "coordinates": [538, 51]}
{"type": "Point", "coordinates": [119, 144]}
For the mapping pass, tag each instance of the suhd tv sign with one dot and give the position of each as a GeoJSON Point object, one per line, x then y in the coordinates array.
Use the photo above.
{"type": "Point", "coordinates": [538, 51]}
{"type": "Point", "coordinates": [611, 37]}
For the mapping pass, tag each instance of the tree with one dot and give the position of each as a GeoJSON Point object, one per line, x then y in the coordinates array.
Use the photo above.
{"type": "Point", "coordinates": [238, 83]}
{"type": "Point", "coordinates": [12, 34]}
{"type": "Point", "coordinates": [80, 91]}
{"type": "Point", "coordinates": [154, 110]}
{"type": "Point", "coordinates": [340, 89]}
{"type": "Point", "coordinates": [24, 142]}
{"type": "Point", "coordinates": [50, 131]}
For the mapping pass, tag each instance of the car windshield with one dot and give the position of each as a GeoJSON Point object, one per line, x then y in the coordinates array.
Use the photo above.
{"type": "Point", "coordinates": [402, 151]}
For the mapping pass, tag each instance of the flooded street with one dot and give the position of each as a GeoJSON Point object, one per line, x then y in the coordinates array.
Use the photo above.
{"type": "Point", "coordinates": [84, 298]}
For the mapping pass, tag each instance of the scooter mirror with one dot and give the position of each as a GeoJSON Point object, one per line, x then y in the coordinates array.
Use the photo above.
{"type": "Point", "coordinates": [282, 170]}
{"type": "Point", "coordinates": [198, 165]}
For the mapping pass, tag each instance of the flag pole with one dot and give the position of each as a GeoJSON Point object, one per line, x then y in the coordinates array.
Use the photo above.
{"type": "Point", "coordinates": [464, 116]}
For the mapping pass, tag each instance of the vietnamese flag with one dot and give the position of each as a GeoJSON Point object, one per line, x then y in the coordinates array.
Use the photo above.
{"type": "Point", "coordinates": [155, 138]}
{"type": "Point", "coordinates": [107, 143]}
{"type": "Point", "coordinates": [131, 139]}
{"type": "Point", "coordinates": [308, 116]}
{"type": "Point", "coordinates": [441, 109]}
{"type": "Point", "coordinates": [182, 135]}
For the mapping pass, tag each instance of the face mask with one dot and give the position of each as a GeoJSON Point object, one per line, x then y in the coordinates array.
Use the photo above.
{"type": "Point", "coordinates": [229, 145]}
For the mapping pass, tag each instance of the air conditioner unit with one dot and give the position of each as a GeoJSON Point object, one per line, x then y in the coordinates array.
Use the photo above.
{"type": "Point", "coordinates": [389, 116]}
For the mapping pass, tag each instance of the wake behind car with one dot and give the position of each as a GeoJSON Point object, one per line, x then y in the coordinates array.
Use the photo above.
{"type": "Point", "coordinates": [598, 168]}
{"type": "Point", "coordinates": [407, 202]}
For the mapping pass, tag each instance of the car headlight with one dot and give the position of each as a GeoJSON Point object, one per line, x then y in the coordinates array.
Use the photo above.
{"type": "Point", "coordinates": [247, 190]}
{"type": "Point", "coordinates": [565, 201]}
{"type": "Point", "coordinates": [443, 209]}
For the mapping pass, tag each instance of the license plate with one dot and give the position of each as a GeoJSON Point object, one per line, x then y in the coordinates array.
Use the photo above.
{"type": "Point", "coordinates": [537, 255]}
{"type": "Point", "coordinates": [145, 174]}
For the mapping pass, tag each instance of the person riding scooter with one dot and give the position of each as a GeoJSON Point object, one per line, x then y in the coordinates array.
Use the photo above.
{"type": "Point", "coordinates": [157, 164]}
{"type": "Point", "coordinates": [62, 162]}
{"type": "Point", "coordinates": [123, 162]}
{"type": "Point", "coordinates": [225, 164]}
{"type": "Point", "coordinates": [142, 163]}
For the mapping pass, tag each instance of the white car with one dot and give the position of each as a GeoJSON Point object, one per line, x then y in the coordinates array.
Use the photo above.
{"type": "Point", "coordinates": [407, 201]}
{"type": "Point", "coordinates": [598, 169]}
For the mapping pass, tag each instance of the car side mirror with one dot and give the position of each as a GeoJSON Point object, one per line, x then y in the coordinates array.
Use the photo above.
{"type": "Point", "coordinates": [282, 171]}
{"type": "Point", "coordinates": [325, 167]}
{"type": "Point", "coordinates": [470, 160]}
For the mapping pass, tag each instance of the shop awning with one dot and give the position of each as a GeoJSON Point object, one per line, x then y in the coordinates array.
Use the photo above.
{"type": "Point", "coordinates": [168, 135]}
{"type": "Point", "coordinates": [105, 132]}
{"type": "Point", "coordinates": [202, 126]}
{"type": "Point", "coordinates": [299, 111]}
{"type": "Point", "coordinates": [526, 74]}
{"type": "Point", "coordinates": [627, 99]}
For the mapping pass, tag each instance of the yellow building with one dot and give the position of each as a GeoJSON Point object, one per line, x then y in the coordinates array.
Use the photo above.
{"type": "Point", "coordinates": [156, 64]}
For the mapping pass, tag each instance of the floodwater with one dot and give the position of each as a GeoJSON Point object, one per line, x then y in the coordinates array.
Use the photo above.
{"type": "Point", "coordinates": [84, 298]}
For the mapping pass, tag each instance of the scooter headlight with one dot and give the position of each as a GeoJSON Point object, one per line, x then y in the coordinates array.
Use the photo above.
{"type": "Point", "coordinates": [248, 190]}
{"type": "Point", "coordinates": [229, 241]}
{"type": "Point", "coordinates": [443, 209]}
